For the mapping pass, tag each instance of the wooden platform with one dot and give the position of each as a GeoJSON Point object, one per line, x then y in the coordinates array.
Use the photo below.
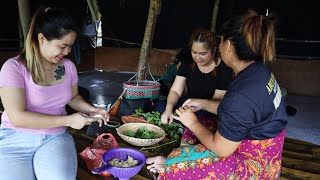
{"type": "Point", "coordinates": [82, 141]}
{"type": "Point", "coordinates": [301, 160]}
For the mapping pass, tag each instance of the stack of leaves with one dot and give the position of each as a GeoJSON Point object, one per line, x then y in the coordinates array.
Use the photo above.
{"type": "Point", "coordinates": [174, 130]}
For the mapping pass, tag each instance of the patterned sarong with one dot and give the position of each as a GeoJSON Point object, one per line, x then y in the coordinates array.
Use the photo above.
{"type": "Point", "coordinates": [207, 119]}
{"type": "Point", "coordinates": [254, 159]}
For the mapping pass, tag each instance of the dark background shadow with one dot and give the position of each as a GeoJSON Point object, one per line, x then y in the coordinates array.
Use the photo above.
{"type": "Point", "coordinates": [297, 27]}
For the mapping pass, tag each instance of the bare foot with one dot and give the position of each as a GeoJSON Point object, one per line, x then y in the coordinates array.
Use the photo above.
{"type": "Point", "coordinates": [155, 164]}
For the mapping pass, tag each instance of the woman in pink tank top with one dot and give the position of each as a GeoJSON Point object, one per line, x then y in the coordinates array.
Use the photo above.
{"type": "Point", "coordinates": [35, 87]}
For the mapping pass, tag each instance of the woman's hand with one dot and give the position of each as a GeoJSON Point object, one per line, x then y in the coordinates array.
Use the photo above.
{"type": "Point", "coordinates": [166, 117]}
{"type": "Point", "coordinates": [186, 116]}
{"type": "Point", "coordinates": [194, 104]}
{"type": "Point", "coordinates": [100, 114]}
{"type": "Point", "coordinates": [79, 120]}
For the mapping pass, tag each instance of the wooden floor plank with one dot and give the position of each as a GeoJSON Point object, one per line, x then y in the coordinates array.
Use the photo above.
{"type": "Point", "coordinates": [304, 143]}
{"type": "Point", "coordinates": [301, 165]}
{"type": "Point", "coordinates": [138, 177]}
{"type": "Point", "coordinates": [85, 175]}
{"type": "Point", "coordinates": [300, 156]}
{"type": "Point", "coordinates": [283, 178]}
{"type": "Point", "coordinates": [294, 174]}
{"type": "Point", "coordinates": [297, 148]}
{"type": "Point", "coordinates": [300, 160]}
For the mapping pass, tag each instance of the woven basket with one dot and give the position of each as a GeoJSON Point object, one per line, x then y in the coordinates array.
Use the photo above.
{"type": "Point", "coordinates": [137, 141]}
{"type": "Point", "coordinates": [142, 89]}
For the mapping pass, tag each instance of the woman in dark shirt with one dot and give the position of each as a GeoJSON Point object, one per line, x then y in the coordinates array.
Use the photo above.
{"type": "Point", "coordinates": [204, 85]}
{"type": "Point", "coordinates": [252, 119]}
{"type": "Point", "coordinates": [204, 76]}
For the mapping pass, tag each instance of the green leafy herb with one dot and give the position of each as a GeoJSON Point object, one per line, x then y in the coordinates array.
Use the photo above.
{"type": "Point", "coordinates": [174, 130]}
{"type": "Point", "coordinates": [142, 133]}
{"type": "Point", "coordinates": [129, 133]}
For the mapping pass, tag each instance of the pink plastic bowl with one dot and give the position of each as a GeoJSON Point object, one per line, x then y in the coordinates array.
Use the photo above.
{"type": "Point", "coordinates": [122, 154]}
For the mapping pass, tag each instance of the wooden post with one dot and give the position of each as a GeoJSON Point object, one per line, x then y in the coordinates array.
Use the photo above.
{"type": "Point", "coordinates": [21, 38]}
{"type": "Point", "coordinates": [214, 15]}
{"type": "Point", "coordinates": [24, 14]}
{"type": "Point", "coordinates": [154, 11]}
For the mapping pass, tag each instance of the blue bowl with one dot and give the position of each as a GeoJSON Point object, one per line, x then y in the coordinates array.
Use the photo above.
{"type": "Point", "coordinates": [122, 154]}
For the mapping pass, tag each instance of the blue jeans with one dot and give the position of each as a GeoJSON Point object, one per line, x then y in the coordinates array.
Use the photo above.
{"type": "Point", "coordinates": [30, 156]}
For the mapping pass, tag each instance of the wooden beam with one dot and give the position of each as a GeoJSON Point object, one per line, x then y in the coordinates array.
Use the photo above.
{"type": "Point", "coordinates": [154, 11]}
{"type": "Point", "coordinates": [215, 15]}
{"type": "Point", "coordinates": [24, 13]}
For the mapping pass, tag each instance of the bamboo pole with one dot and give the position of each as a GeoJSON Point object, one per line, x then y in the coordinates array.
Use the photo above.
{"type": "Point", "coordinates": [21, 39]}
{"type": "Point", "coordinates": [154, 11]}
{"type": "Point", "coordinates": [24, 14]}
{"type": "Point", "coordinates": [215, 15]}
